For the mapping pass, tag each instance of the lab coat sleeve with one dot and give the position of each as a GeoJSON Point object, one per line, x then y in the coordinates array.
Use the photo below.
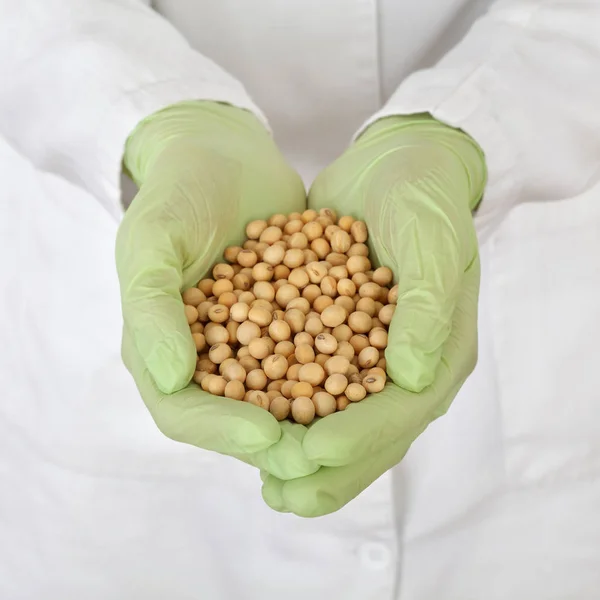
{"type": "Point", "coordinates": [524, 83]}
{"type": "Point", "coordinates": [77, 76]}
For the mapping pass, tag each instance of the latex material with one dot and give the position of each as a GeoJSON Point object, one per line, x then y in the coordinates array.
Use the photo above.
{"type": "Point", "coordinates": [204, 170]}
{"type": "Point", "coordinates": [414, 182]}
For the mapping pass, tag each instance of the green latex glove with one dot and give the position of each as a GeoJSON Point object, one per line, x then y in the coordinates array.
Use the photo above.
{"type": "Point", "coordinates": [414, 181]}
{"type": "Point", "coordinates": [204, 170]}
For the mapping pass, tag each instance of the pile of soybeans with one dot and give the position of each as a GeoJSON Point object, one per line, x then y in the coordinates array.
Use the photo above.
{"type": "Point", "coordinates": [295, 321]}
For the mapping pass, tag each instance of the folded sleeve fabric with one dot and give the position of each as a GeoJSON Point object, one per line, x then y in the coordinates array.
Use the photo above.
{"type": "Point", "coordinates": [79, 76]}
{"type": "Point", "coordinates": [524, 83]}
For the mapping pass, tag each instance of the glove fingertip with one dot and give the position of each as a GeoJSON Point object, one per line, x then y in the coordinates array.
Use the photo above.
{"type": "Point", "coordinates": [272, 494]}
{"type": "Point", "coordinates": [171, 362]}
{"type": "Point", "coordinates": [411, 368]}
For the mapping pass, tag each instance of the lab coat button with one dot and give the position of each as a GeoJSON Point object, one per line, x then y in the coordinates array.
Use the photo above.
{"type": "Point", "coordinates": [375, 555]}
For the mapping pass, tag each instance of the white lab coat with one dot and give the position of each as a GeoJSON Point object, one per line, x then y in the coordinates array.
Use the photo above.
{"type": "Point", "coordinates": [499, 499]}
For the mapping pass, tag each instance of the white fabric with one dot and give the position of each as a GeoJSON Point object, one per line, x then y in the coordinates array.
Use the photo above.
{"type": "Point", "coordinates": [496, 500]}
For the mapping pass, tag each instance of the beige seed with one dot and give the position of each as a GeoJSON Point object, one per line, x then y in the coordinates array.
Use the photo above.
{"type": "Point", "coordinates": [342, 333]}
{"type": "Point", "coordinates": [383, 276]}
{"type": "Point", "coordinates": [298, 278]}
{"type": "Point", "coordinates": [325, 404]}
{"type": "Point", "coordinates": [285, 348]}
{"type": "Point", "coordinates": [293, 258]}
{"type": "Point", "coordinates": [275, 366]}
{"type": "Point", "coordinates": [311, 292]}
{"type": "Point", "coordinates": [355, 392]}
{"type": "Point", "coordinates": [199, 376]}
{"type": "Point", "coordinates": [316, 271]}
{"type": "Point", "coordinates": [218, 313]}
{"type": "Point", "coordinates": [274, 255]}
{"type": "Point", "coordinates": [286, 388]}
{"type": "Point", "coordinates": [378, 338]}
{"type": "Point", "coordinates": [219, 352]}
{"type": "Point", "coordinates": [359, 341]}
{"type": "Point", "coordinates": [280, 408]}
{"type": "Point", "coordinates": [205, 364]}
{"type": "Point", "coordinates": [280, 331]}
{"type": "Point", "coordinates": [358, 264]}
{"type": "Point", "coordinates": [247, 331]}
{"type": "Point", "coordinates": [314, 326]}
{"type": "Point", "coordinates": [216, 385]}
{"type": "Point", "coordinates": [312, 373]}
{"type": "Point", "coordinates": [227, 299]}
{"type": "Point", "coordinates": [191, 313]}
{"type": "Point", "coordinates": [222, 271]}
{"type": "Point", "coordinates": [293, 369]}
{"type": "Point", "coordinates": [247, 258]}
{"type": "Point", "coordinates": [369, 290]}
{"type": "Point", "coordinates": [303, 410]}
{"type": "Point", "coordinates": [336, 384]}
{"type": "Point", "coordinates": [278, 220]}
{"type": "Point", "coordinates": [255, 228]}
{"type": "Point", "coordinates": [340, 241]}
{"type": "Point", "coordinates": [197, 327]}
{"type": "Point", "coordinates": [320, 247]}
{"type": "Point", "coordinates": [326, 343]}
{"type": "Point", "coordinates": [346, 303]}
{"type": "Point", "coordinates": [298, 240]}
{"type": "Point", "coordinates": [235, 390]}
{"type": "Point", "coordinates": [337, 365]}
{"type": "Point", "coordinates": [263, 290]}
{"type": "Point", "coordinates": [230, 253]}
{"type": "Point", "coordinates": [259, 348]}
{"type": "Point", "coordinates": [193, 296]}
{"type": "Point", "coordinates": [233, 370]}
{"type": "Point", "coordinates": [345, 349]}
{"type": "Point", "coordinates": [342, 402]}
{"type": "Point", "coordinates": [393, 295]}
{"type": "Point", "coordinates": [275, 385]}
{"type": "Point", "coordinates": [295, 319]}
{"type": "Point", "coordinates": [293, 226]}
{"type": "Point", "coordinates": [205, 286]}
{"type": "Point", "coordinates": [304, 354]}
{"type": "Point", "coordinates": [256, 379]}
{"type": "Point", "coordinates": [303, 338]}
{"type": "Point", "coordinates": [302, 388]}
{"type": "Point", "coordinates": [345, 223]}
{"type": "Point", "coordinates": [285, 294]}
{"type": "Point", "coordinates": [368, 357]}
{"type": "Point", "coordinates": [321, 359]}
{"type": "Point", "coordinates": [248, 362]}
{"type": "Point", "coordinates": [366, 305]}
{"type": "Point", "coordinates": [358, 250]}
{"type": "Point", "coordinates": [374, 382]}
{"type": "Point", "coordinates": [346, 287]}
{"type": "Point", "coordinates": [259, 315]}
{"type": "Point", "coordinates": [221, 286]}
{"type": "Point", "coordinates": [359, 231]}
{"type": "Point", "coordinates": [321, 303]}
{"type": "Point", "coordinates": [359, 322]}
{"type": "Point", "coordinates": [302, 304]}
{"type": "Point", "coordinates": [336, 259]}
{"type": "Point", "coordinates": [239, 312]}
{"type": "Point", "coordinates": [271, 234]}
{"type": "Point", "coordinates": [387, 313]}
{"type": "Point", "coordinates": [333, 315]}
{"type": "Point", "coordinates": [312, 230]}
{"type": "Point", "coordinates": [199, 341]}
{"type": "Point", "coordinates": [280, 272]}
{"type": "Point", "coordinates": [259, 399]}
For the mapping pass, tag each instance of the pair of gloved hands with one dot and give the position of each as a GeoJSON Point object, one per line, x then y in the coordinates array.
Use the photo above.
{"type": "Point", "coordinates": [204, 171]}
